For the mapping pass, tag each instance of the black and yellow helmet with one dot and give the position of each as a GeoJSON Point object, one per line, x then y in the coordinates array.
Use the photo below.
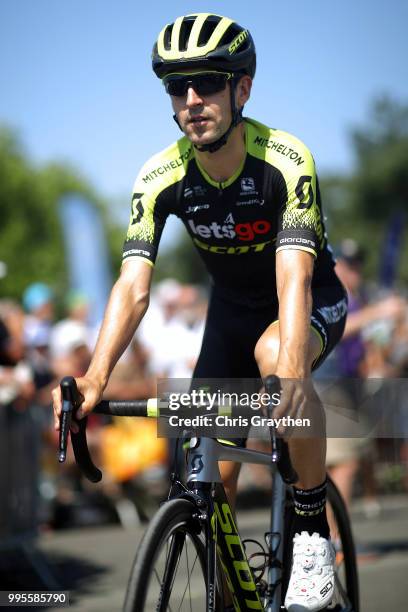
{"type": "Point", "coordinates": [204, 40]}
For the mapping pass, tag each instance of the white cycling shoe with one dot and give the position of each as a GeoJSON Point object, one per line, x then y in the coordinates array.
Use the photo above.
{"type": "Point", "coordinates": [311, 584]}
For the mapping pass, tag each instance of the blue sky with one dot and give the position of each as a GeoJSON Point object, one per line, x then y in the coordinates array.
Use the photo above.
{"type": "Point", "coordinates": [76, 81]}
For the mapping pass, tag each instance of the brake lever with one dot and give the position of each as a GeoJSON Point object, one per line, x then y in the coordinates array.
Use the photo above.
{"type": "Point", "coordinates": [71, 400]}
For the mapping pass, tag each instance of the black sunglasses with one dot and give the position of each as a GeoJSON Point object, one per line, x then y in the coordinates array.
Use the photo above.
{"type": "Point", "coordinates": [204, 84]}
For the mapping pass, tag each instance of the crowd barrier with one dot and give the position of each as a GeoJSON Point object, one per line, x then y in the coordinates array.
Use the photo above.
{"type": "Point", "coordinates": [20, 437]}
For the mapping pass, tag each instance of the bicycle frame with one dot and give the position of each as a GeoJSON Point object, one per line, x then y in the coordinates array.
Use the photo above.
{"type": "Point", "coordinates": [208, 495]}
{"type": "Point", "coordinates": [224, 542]}
{"type": "Point", "coordinates": [213, 512]}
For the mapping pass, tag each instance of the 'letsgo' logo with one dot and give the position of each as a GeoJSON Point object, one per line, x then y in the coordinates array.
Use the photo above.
{"type": "Point", "coordinates": [230, 230]}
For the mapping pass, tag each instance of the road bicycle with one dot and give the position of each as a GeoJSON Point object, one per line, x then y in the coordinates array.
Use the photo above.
{"type": "Point", "coordinates": [192, 556]}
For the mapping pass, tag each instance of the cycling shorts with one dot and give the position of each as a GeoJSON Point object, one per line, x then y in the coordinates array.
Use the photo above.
{"type": "Point", "coordinates": [232, 331]}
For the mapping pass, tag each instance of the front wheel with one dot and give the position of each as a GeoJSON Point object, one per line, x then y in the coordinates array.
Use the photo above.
{"type": "Point", "coordinates": [169, 572]}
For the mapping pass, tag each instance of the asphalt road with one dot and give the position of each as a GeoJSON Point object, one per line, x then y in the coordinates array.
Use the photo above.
{"type": "Point", "coordinates": [94, 563]}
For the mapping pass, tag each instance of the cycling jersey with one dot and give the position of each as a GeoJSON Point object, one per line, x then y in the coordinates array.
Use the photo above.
{"type": "Point", "coordinates": [272, 202]}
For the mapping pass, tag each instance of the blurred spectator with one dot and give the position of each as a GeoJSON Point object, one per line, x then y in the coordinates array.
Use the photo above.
{"type": "Point", "coordinates": [38, 302]}
{"type": "Point", "coordinates": [357, 356]}
{"type": "Point", "coordinates": [77, 306]}
{"type": "Point", "coordinates": [187, 345]}
{"type": "Point", "coordinates": [69, 351]}
{"type": "Point", "coordinates": [172, 329]}
{"type": "Point", "coordinates": [12, 347]}
{"type": "Point", "coordinates": [162, 309]}
{"type": "Point", "coordinates": [352, 350]}
{"type": "Point", "coordinates": [131, 446]}
{"type": "Point", "coordinates": [131, 378]}
{"type": "Point", "coordinates": [16, 377]}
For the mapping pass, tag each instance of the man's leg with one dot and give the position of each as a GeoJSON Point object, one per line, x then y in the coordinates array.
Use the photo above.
{"type": "Point", "coordinates": [229, 473]}
{"type": "Point", "coordinates": [311, 472]}
{"type": "Point", "coordinates": [311, 584]}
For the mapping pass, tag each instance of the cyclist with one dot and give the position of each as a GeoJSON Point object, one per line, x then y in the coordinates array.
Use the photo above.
{"type": "Point", "coordinates": [249, 197]}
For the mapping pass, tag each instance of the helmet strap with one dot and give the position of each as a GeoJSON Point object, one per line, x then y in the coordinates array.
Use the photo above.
{"type": "Point", "coordinates": [177, 121]}
{"type": "Point", "coordinates": [236, 115]}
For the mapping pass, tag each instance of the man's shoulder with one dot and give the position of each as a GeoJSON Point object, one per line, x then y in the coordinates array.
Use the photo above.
{"type": "Point", "coordinates": [166, 167]}
{"type": "Point", "coordinates": [276, 146]}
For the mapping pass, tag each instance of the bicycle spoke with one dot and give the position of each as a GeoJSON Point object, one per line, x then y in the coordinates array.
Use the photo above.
{"type": "Point", "coordinates": [188, 584]}
{"type": "Point", "coordinates": [188, 575]}
{"type": "Point", "coordinates": [175, 571]}
{"type": "Point", "coordinates": [156, 573]}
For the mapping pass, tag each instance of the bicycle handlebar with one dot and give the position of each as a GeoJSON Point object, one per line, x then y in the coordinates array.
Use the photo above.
{"type": "Point", "coordinates": [72, 399]}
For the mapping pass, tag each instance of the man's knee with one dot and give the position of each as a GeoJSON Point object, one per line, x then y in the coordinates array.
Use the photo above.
{"type": "Point", "coordinates": [267, 351]}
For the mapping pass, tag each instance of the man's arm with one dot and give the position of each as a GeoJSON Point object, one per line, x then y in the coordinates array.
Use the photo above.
{"type": "Point", "coordinates": [126, 307]}
{"type": "Point", "coordinates": [392, 307]}
{"type": "Point", "coordinates": [294, 270]}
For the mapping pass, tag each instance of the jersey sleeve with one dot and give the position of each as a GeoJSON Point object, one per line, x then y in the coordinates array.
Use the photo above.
{"type": "Point", "coordinates": [147, 220]}
{"type": "Point", "coordinates": [300, 223]}
{"type": "Point", "coordinates": [155, 196]}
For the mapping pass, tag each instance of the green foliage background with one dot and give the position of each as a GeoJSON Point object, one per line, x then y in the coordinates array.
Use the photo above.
{"type": "Point", "coordinates": [361, 205]}
{"type": "Point", "coordinates": [31, 241]}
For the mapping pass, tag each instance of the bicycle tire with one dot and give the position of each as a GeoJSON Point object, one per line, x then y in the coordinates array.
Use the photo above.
{"type": "Point", "coordinates": [344, 548]}
{"type": "Point", "coordinates": [287, 546]}
{"type": "Point", "coordinates": [173, 532]}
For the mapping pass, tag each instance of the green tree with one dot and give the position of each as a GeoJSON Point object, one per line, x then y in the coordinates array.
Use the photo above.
{"type": "Point", "coordinates": [362, 204]}
{"type": "Point", "coordinates": [381, 147]}
{"type": "Point", "coordinates": [31, 242]}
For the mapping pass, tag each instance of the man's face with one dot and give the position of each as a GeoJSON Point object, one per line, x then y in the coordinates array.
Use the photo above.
{"type": "Point", "coordinates": [205, 118]}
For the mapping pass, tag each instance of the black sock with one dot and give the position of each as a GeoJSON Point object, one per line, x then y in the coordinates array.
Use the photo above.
{"type": "Point", "coordinates": [310, 510]}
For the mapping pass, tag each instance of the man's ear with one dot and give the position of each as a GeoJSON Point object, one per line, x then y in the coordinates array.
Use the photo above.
{"type": "Point", "coordinates": [243, 90]}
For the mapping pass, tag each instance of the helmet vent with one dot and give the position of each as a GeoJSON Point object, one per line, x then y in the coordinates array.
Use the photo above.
{"type": "Point", "coordinates": [185, 31]}
{"type": "Point", "coordinates": [208, 28]}
{"type": "Point", "coordinates": [167, 38]}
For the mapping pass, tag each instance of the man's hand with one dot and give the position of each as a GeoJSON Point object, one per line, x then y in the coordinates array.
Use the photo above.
{"type": "Point", "coordinates": [91, 393]}
{"type": "Point", "coordinates": [299, 400]}
{"type": "Point", "coordinates": [392, 307]}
